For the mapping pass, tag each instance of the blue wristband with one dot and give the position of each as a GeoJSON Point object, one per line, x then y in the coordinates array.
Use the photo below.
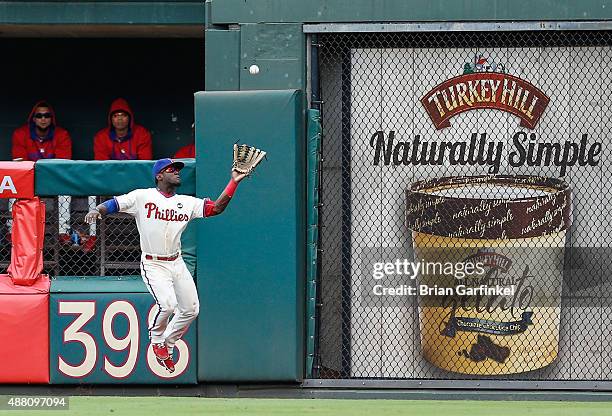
{"type": "Point", "coordinates": [111, 206]}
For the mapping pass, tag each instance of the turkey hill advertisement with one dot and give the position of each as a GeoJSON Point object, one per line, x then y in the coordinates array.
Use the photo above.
{"type": "Point", "coordinates": [486, 163]}
{"type": "Point", "coordinates": [478, 88]}
{"type": "Point", "coordinates": [483, 334]}
{"type": "Point", "coordinates": [485, 90]}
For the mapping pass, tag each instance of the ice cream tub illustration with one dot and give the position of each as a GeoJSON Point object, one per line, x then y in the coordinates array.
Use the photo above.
{"type": "Point", "coordinates": [492, 252]}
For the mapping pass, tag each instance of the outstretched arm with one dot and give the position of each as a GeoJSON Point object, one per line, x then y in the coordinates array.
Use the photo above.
{"type": "Point", "coordinates": [217, 207]}
{"type": "Point", "coordinates": [107, 207]}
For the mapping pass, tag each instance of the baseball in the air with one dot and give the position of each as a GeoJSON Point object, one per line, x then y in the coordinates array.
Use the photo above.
{"type": "Point", "coordinates": [254, 69]}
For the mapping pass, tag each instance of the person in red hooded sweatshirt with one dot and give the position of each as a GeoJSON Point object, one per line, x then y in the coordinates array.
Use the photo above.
{"type": "Point", "coordinates": [188, 151]}
{"type": "Point", "coordinates": [41, 137]}
{"type": "Point", "coordinates": [123, 139]}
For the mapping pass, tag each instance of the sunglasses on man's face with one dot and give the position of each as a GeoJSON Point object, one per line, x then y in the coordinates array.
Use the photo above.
{"type": "Point", "coordinates": [42, 115]}
{"type": "Point", "coordinates": [171, 169]}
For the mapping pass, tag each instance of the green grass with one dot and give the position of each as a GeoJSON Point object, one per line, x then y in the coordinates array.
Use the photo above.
{"type": "Point", "coordinates": [178, 406]}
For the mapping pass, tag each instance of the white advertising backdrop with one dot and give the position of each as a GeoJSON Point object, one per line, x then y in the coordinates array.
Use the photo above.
{"type": "Point", "coordinates": [385, 88]}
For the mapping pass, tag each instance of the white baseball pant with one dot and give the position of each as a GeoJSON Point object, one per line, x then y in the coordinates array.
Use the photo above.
{"type": "Point", "coordinates": [174, 291]}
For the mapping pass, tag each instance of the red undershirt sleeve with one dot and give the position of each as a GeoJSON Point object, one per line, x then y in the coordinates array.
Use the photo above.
{"type": "Point", "coordinates": [208, 208]}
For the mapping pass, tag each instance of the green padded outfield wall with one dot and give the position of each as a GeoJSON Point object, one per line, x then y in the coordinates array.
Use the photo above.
{"type": "Point", "coordinates": [99, 335]}
{"type": "Point", "coordinates": [110, 177]}
{"type": "Point", "coordinates": [251, 259]}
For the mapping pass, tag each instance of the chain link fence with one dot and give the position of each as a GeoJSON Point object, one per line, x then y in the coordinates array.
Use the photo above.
{"type": "Point", "coordinates": [466, 190]}
{"type": "Point", "coordinates": [5, 237]}
{"type": "Point", "coordinates": [74, 248]}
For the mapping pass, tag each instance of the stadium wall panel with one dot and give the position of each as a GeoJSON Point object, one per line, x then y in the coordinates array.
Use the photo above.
{"type": "Point", "coordinates": [100, 335]}
{"type": "Point", "coordinates": [251, 259]}
{"type": "Point", "coordinates": [24, 318]}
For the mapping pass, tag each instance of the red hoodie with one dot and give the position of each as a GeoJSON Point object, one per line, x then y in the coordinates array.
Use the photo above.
{"type": "Point", "coordinates": [28, 146]}
{"type": "Point", "coordinates": [136, 145]}
{"type": "Point", "coordinates": [185, 152]}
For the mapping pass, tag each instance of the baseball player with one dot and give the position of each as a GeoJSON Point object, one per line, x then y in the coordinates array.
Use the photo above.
{"type": "Point", "coordinates": [161, 216]}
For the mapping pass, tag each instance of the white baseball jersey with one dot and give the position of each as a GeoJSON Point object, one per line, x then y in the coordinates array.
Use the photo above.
{"type": "Point", "coordinates": [160, 219]}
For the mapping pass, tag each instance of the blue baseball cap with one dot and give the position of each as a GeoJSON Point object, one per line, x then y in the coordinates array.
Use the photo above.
{"type": "Point", "coordinates": [162, 164]}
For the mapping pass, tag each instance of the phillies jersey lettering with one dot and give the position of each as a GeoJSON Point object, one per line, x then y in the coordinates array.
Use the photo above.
{"type": "Point", "coordinates": [160, 219]}
{"type": "Point", "coordinates": [166, 215]}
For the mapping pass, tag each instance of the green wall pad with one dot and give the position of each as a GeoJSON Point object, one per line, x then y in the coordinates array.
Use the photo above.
{"type": "Point", "coordinates": [251, 259]}
{"type": "Point", "coordinates": [109, 177]}
{"type": "Point", "coordinates": [99, 335]}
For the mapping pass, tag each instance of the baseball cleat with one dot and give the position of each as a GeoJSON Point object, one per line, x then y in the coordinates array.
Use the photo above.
{"type": "Point", "coordinates": [168, 364]}
{"type": "Point", "coordinates": [161, 352]}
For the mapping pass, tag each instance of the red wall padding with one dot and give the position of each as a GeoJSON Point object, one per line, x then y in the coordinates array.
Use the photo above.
{"type": "Point", "coordinates": [17, 179]}
{"type": "Point", "coordinates": [27, 236]}
{"type": "Point", "coordinates": [24, 331]}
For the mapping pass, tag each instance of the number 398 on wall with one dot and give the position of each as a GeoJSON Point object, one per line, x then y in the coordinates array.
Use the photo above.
{"type": "Point", "coordinates": [106, 341]}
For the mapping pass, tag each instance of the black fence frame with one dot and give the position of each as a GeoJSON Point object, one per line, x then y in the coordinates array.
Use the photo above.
{"type": "Point", "coordinates": [557, 34]}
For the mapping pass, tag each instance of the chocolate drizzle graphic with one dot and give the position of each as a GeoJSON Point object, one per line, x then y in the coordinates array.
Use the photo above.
{"type": "Point", "coordinates": [429, 211]}
{"type": "Point", "coordinates": [485, 348]}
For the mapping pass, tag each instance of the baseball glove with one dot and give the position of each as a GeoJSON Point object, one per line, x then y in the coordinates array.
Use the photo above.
{"type": "Point", "coordinates": [246, 158]}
